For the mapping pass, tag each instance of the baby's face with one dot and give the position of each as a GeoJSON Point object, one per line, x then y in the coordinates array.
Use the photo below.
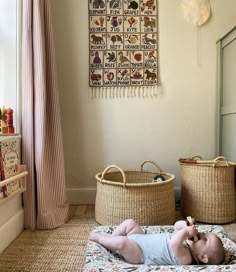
{"type": "Point", "coordinates": [205, 243]}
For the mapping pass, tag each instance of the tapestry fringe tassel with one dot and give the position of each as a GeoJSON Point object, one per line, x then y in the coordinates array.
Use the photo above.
{"type": "Point", "coordinates": [120, 92]}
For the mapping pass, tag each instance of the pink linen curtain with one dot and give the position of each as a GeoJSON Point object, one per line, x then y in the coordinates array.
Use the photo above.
{"type": "Point", "coordinates": [45, 202]}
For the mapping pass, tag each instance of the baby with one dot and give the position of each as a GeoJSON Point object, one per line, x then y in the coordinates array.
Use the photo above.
{"type": "Point", "coordinates": [129, 240]}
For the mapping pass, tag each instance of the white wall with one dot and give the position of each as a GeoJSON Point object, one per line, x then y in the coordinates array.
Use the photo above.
{"type": "Point", "coordinates": [8, 57]}
{"type": "Point", "coordinates": [180, 122]}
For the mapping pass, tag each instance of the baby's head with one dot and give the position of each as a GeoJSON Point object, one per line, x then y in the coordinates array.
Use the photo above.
{"type": "Point", "coordinates": [216, 253]}
{"type": "Point", "coordinates": [209, 249]}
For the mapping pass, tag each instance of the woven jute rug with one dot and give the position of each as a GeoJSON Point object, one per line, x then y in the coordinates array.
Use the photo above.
{"type": "Point", "coordinates": [62, 249]}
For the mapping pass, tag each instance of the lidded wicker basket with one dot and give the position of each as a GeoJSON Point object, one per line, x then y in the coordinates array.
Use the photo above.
{"type": "Point", "coordinates": [132, 194]}
{"type": "Point", "coordinates": [208, 189]}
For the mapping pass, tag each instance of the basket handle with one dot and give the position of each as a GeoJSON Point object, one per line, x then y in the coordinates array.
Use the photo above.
{"type": "Point", "coordinates": [116, 167]}
{"type": "Point", "coordinates": [196, 156]}
{"type": "Point", "coordinates": [214, 162]}
{"type": "Point", "coordinates": [221, 159]}
{"type": "Point", "coordinates": [191, 160]}
{"type": "Point", "coordinates": [157, 166]}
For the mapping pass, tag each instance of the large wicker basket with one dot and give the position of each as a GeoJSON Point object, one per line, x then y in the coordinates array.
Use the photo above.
{"type": "Point", "coordinates": [208, 189]}
{"type": "Point", "coordinates": [132, 194]}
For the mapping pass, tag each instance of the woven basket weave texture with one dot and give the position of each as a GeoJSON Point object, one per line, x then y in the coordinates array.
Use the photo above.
{"type": "Point", "coordinates": [208, 191]}
{"type": "Point", "coordinates": [131, 194]}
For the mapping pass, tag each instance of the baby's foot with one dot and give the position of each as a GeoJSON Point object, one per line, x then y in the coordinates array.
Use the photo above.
{"type": "Point", "coordinates": [94, 236]}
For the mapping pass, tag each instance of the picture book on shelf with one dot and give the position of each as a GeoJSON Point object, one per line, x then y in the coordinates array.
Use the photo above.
{"type": "Point", "coordinates": [9, 165]}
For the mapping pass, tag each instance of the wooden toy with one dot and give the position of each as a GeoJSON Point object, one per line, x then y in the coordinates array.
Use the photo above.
{"type": "Point", "coordinates": [4, 119]}
{"type": "Point", "coordinates": [190, 222]}
{"type": "Point", "coordinates": [10, 128]}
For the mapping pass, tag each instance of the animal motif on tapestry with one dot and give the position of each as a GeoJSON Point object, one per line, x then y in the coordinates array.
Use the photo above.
{"type": "Point", "coordinates": [123, 45]}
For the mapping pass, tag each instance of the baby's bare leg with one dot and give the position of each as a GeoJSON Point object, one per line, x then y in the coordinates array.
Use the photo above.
{"type": "Point", "coordinates": [127, 227]}
{"type": "Point", "coordinates": [125, 247]}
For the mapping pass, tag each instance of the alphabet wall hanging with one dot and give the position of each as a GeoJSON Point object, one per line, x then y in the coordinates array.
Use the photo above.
{"type": "Point", "coordinates": [123, 44]}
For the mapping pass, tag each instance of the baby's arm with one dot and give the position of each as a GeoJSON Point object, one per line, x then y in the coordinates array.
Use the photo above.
{"type": "Point", "coordinates": [176, 243]}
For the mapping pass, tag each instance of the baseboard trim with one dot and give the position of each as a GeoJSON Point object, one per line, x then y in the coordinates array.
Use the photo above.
{"type": "Point", "coordinates": [11, 229]}
{"type": "Point", "coordinates": [177, 197]}
{"type": "Point", "coordinates": [80, 196]}
{"type": "Point", "coordinates": [177, 193]}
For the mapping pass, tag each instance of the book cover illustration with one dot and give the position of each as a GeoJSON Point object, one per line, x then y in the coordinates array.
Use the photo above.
{"type": "Point", "coordinates": [9, 162]}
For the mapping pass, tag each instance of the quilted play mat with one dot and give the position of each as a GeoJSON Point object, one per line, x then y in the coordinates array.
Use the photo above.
{"type": "Point", "coordinates": [99, 259]}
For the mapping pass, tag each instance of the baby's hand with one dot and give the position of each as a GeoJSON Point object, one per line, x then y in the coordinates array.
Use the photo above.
{"type": "Point", "coordinates": [192, 231]}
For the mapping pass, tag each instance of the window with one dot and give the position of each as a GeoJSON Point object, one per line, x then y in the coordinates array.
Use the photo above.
{"type": "Point", "coordinates": [9, 56]}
